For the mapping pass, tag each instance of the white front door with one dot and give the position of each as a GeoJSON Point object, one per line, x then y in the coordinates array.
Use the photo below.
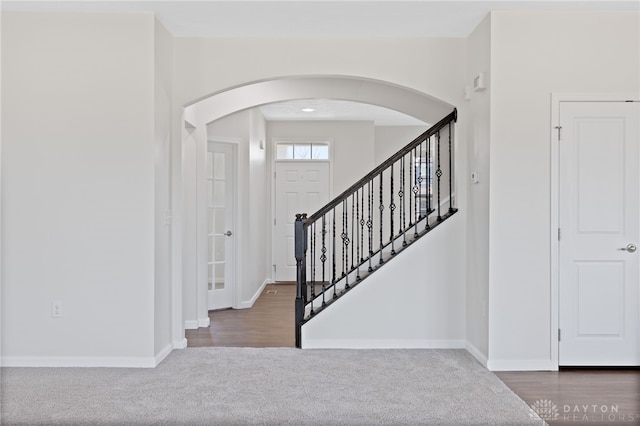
{"type": "Point", "coordinates": [220, 214]}
{"type": "Point", "coordinates": [301, 187]}
{"type": "Point", "coordinates": [599, 227]}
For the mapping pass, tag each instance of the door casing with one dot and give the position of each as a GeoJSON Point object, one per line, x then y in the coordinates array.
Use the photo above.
{"type": "Point", "coordinates": [556, 99]}
{"type": "Point", "coordinates": [272, 165]}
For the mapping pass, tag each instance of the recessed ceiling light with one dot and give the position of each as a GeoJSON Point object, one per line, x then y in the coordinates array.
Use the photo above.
{"type": "Point", "coordinates": [308, 109]}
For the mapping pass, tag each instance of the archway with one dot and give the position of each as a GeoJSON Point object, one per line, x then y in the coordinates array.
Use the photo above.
{"type": "Point", "coordinates": [190, 290]}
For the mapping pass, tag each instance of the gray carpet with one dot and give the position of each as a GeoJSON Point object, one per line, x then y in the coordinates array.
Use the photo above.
{"type": "Point", "coordinates": [275, 386]}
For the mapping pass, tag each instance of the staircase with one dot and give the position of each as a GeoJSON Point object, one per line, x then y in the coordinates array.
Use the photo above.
{"type": "Point", "coordinates": [375, 219]}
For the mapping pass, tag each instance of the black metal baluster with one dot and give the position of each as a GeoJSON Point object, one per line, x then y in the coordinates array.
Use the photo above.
{"type": "Point", "coordinates": [323, 257]}
{"type": "Point", "coordinates": [450, 173]}
{"type": "Point", "coordinates": [345, 242]}
{"type": "Point", "coordinates": [411, 182]}
{"type": "Point", "coordinates": [403, 208]}
{"type": "Point", "coordinates": [312, 283]}
{"type": "Point", "coordinates": [417, 189]}
{"type": "Point", "coordinates": [361, 261]}
{"type": "Point", "coordinates": [370, 222]}
{"type": "Point", "coordinates": [343, 236]}
{"type": "Point", "coordinates": [429, 186]}
{"type": "Point", "coordinates": [353, 229]}
{"type": "Point", "coordinates": [333, 254]}
{"type": "Point", "coordinates": [438, 172]}
{"type": "Point", "coordinates": [358, 241]}
{"type": "Point", "coordinates": [381, 217]}
{"type": "Point", "coordinates": [392, 208]}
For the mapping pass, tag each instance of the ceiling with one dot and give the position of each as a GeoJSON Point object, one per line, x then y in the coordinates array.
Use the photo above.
{"type": "Point", "coordinates": [331, 109]}
{"type": "Point", "coordinates": [319, 18]}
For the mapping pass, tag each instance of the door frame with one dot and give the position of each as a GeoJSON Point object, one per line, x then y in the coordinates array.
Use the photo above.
{"type": "Point", "coordinates": [202, 204]}
{"type": "Point", "coordinates": [272, 164]}
{"type": "Point", "coordinates": [233, 145]}
{"type": "Point", "coordinates": [556, 99]}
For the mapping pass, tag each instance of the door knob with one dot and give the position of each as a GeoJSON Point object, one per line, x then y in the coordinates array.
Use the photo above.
{"type": "Point", "coordinates": [229, 233]}
{"type": "Point", "coordinates": [631, 248]}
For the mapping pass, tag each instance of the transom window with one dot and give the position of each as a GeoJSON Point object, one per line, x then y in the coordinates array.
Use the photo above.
{"type": "Point", "coordinates": [302, 151]}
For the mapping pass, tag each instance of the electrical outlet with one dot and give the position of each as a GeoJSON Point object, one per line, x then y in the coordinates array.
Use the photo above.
{"type": "Point", "coordinates": [56, 309]}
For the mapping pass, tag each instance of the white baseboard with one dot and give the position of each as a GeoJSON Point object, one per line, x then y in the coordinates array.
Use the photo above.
{"type": "Point", "coordinates": [195, 324]}
{"type": "Point", "coordinates": [249, 303]}
{"type": "Point", "coordinates": [164, 352]}
{"type": "Point", "coordinates": [520, 365]}
{"type": "Point", "coordinates": [475, 352]}
{"type": "Point", "coordinates": [382, 344]}
{"type": "Point", "coordinates": [42, 361]}
{"type": "Point", "coordinates": [180, 344]}
{"type": "Point", "coordinates": [190, 324]}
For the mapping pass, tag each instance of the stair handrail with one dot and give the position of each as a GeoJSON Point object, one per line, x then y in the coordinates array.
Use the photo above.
{"type": "Point", "coordinates": [453, 116]}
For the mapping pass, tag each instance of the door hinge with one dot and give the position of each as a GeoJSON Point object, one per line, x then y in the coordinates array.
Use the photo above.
{"type": "Point", "coordinates": [559, 128]}
{"type": "Point", "coordinates": [559, 234]}
{"type": "Point", "coordinates": [274, 221]}
{"type": "Point", "coordinates": [558, 335]}
{"type": "Point", "coordinates": [274, 174]}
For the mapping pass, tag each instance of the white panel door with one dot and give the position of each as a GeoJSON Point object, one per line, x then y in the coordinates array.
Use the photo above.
{"type": "Point", "coordinates": [220, 214]}
{"type": "Point", "coordinates": [301, 187]}
{"type": "Point", "coordinates": [599, 224]}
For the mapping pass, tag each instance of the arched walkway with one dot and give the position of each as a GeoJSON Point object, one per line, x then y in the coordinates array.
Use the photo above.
{"type": "Point", "coordinates": [190, 256]}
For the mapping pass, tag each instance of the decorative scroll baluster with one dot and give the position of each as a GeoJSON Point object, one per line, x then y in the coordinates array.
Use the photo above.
{"type": "Point", "coordinates": [361, 257]}
{"type": "Point", "coordinates": [345, 242]}
{"type": "Point", "coordinates": [417, 189]}
{"type": "Point", "coordinates": [381, 220]}
{"type": "Point", "coordinates": [369, 222]}
{"type": "Point", "coordinates": [438, 173]}
{"type": "Point", "coordinates": [392, 208]}
{"type": "Point", "coordinates": [428, 191]}
{"type": "Point", "coordinates": [403, 208]}
{"type": "Point", "coordinates": [412, 155]}
{"type": "Point", "coordinates": [323, 257]}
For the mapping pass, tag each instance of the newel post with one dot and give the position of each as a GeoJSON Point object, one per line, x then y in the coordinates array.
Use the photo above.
{"type": "Point", "coordinates": [300, 241]}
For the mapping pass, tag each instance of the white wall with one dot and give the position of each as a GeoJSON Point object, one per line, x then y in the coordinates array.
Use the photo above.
{"type": "Point", "coordinates": [78, 189]}
{"type": "Point", "coordinates": [533, 55]}
{"type": "Point", "coordinates": [206, 66]}
{"type": "Point", "coordinates": [477, 120]}
{"type": "Point", "coordinates": [390, 139]}
{"type": "Point", "coordinates": [163, 74]}
{"type": "Point", "coordinates": [260, 197]}
{"type": "Point", "coordinates": [416, 300]}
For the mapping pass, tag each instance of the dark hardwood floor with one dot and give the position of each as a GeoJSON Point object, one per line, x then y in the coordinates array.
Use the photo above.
{"type": "Point", "coordinates": [571, 397]}
{"type": "Point", "coordinates": [269, 323]}
{"type": "Point", "coordinates": [580, 396]}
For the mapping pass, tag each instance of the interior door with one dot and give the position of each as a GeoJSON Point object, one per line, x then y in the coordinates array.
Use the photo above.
{"type": "Point", "coordinates": [599, 231]}
{"type": "Point", "coordinates": [220, 211]}
{"type": "Point", "coordinates": [301, 187]}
